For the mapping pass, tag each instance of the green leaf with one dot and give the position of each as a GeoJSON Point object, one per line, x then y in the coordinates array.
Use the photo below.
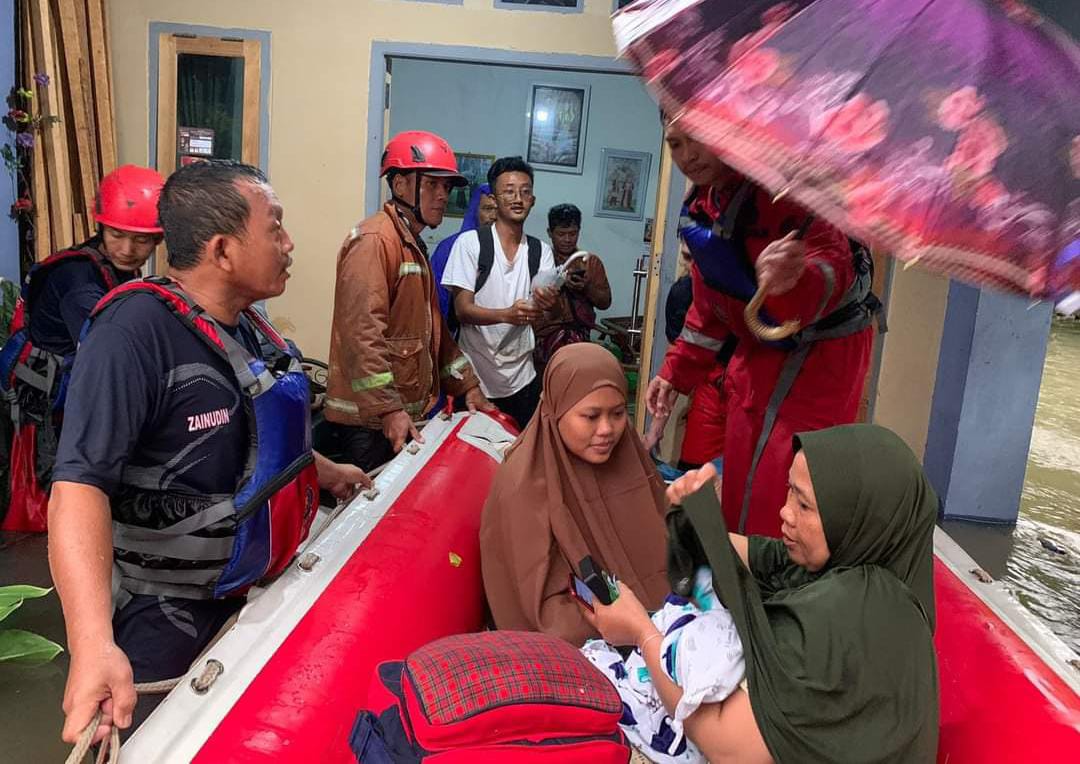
{"type": "Point", "coordinates": [21, 592]}
{"type": "Point", "coordinates": [12, 596]}
{"type": "Point", "coordinates": [27, 648]}
{"type": "Point", "coordinates": [7, 608]}
{"type": "Point", "coordinates": [24, 591]}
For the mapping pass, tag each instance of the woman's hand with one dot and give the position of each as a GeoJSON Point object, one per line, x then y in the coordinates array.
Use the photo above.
{"type": "Point", "coordinates": [690, 483]}
{"type": "Point", "coordinates": [624, 622]}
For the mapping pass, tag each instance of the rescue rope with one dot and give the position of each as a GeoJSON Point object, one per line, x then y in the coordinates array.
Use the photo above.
{"type": "Point", "coordinates": [110, 747]}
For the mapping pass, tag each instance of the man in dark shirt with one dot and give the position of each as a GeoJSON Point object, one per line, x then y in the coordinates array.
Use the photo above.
{"type": "Point", "coordinates": [59, 294]}
{"type": "Point", "coordinates": [64, 289]}
{"type": "Point", "coordinates": [154, 411]}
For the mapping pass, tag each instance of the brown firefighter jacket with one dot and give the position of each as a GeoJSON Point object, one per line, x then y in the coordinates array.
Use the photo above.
{"type": "Point", "coordinates": [390, 348]}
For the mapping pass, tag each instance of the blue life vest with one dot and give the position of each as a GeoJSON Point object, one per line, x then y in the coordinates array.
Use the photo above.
{"type": "Point", "coordinates": [221, 545]}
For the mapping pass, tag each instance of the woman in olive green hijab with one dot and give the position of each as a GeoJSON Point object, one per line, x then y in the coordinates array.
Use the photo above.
{"type": "Point", "coordinates": [836, 617]}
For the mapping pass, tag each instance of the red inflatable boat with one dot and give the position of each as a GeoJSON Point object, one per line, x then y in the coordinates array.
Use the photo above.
{"type": "Point", "coordinates": [400, 566]}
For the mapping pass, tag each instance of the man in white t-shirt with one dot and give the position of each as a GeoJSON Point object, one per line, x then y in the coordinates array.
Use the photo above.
{"type": "Point", "coordinates": [493, 296]}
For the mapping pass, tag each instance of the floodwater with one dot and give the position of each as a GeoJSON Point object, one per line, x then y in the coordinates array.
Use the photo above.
{"type": "Point", "coordinates": [1038, 560]}
{"type": "Point", "coordinates": [30, 697]}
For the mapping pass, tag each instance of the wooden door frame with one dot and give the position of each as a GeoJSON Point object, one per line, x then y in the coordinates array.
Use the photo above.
{"type": "Point", "coordinates": [257, 89]}
{"type": "Point", "coordinates": [170, 47]}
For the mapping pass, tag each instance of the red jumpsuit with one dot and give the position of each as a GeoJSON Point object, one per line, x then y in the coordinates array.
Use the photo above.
{"type": "Point", "coordinates": [829, 384]}
{"type": "Point", "coordinates": [706, 420]}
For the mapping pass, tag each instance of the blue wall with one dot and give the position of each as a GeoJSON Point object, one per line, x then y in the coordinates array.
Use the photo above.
{"type": "Point", "coordinates": [9, 231]}
{"type": "Point", "coordinates": [989, 372]}
{"type": "Point", "coordinates": [481, 109]}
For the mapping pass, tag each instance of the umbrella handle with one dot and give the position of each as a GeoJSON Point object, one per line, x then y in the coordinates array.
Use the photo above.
{"type": "Point", "coordinates": [760, 329]}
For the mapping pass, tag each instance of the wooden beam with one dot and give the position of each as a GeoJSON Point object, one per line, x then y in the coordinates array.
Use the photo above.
{"type": "Point", "coordinates": [652, 285]}
{"type": "Point", "coordinates": [166, 105]}
{"type": "Point", "coordinates": [102, 86]}
{"type": "Point", "coordinates": [67, 121]}
{"type": "Point", "coordinates": [54, 135]}
{"type": "Point", "coordinates": [210, 46]}
{"type": "Point", "coordinates": [85, 154]}
{"type": "Point", "coordinates": [88, 99]}
{"type": "Point", "coordinates": [252, 93]}
{"type": "Point", "coordinates": [39, 189]}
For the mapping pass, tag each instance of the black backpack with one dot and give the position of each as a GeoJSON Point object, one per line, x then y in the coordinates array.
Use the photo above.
{"type": "Point", "coordinates": [486, 260]}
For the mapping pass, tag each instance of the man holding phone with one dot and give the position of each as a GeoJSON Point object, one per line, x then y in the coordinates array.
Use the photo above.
{"type": "Point", "coordinates": [586, 290]}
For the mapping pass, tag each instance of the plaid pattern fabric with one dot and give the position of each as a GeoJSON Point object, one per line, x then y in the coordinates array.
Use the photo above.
{"type": "Point", "coordinates": [461, 676]}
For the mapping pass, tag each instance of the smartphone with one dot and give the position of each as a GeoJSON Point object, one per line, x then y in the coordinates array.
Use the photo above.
{"type": "Point", "coordinates": [581, 592]}
{"type": "Point", "coordinates": [598, 581]}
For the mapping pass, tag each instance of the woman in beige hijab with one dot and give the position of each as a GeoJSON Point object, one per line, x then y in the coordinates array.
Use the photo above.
{"type": "Point", "coordinates": [577, 482]}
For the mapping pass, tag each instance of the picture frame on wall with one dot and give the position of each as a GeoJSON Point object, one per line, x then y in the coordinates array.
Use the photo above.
{"type": "Point", "coordinates": [623, 184]}
{"type": "Point", "coordinates": [558, 6]}
{"type": "Point", "coordinates": [555, 133]}
{"type": "Point", "coordinates": [474, 167]}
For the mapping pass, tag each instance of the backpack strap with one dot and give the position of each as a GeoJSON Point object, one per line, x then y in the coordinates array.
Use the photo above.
{"type": "Point", "coordinates": [205, 327]}
{"type": "Point", "coordinates": [87, 251]}
{"type": "Point", "coordinates": [486, 234]}
{"type": "Point", "coordinates": [535, 251]}
{"type": "Point", "coordinates": [180, 304]}
{"type": "Point", "coordinates": [487, 255]}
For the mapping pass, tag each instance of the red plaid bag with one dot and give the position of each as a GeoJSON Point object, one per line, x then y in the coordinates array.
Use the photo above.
{"type": "Point", "coordinates": [499, 696]}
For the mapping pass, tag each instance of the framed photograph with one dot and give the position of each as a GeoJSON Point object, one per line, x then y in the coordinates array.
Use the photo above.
{"type": "Point", "coordinates": [555, 138]}
{"type": "Point", "coordinates": [474, 167]}
{"type": "Point", "coordinates": [624, 183]}
{"type": "Point", "coordinates": [620, 4]}
{"type": "Point", "coordinates": [558, 6]}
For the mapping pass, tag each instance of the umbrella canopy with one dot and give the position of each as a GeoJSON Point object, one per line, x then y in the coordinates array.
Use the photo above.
{"type": "Point", "coordinates": [942, 131]}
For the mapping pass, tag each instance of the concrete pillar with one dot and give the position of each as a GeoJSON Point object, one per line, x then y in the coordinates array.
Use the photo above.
{"type": "Point", "coordinates": [917, 304]}
{"type": "Point", "coordinates": [989, 370]}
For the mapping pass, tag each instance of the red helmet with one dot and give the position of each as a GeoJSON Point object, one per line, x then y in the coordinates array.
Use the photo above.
{"type": "Point", "coordinates": [127, 199]}
{"type": "Point", "coordinates": [424, 152]}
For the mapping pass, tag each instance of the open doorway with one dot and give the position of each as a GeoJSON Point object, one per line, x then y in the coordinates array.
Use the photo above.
{"type": "Point", "coordinates": [594, 138]}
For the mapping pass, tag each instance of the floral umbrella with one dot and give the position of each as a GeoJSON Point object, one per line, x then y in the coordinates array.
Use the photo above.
{"type": "Point", "coordinates": [942, 131]}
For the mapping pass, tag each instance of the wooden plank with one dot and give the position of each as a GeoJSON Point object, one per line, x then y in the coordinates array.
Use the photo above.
{"type": "Point", "coordinates": [166, 132]}
{"type": "Point", "coordinates": [166, 105]}
{"type": "Point", "coordinates": [102, 87]}
{"type": "Point", "coordinates": [54, 135]}
{"type": "Point", "coordinates": [39, 189]}
{"type": "Point", "coordinates": [252, 92]}
{"type": "Point", "coordinates": [88, 98]}
{"type": "Point", "coordinates": [211, 46]}
{"type": "Point", "coordinates": [652, 286]}
{"type": "Point", "coordinates": [67, 121]}
{"type": "Point", "coordinates": [84, 155]}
